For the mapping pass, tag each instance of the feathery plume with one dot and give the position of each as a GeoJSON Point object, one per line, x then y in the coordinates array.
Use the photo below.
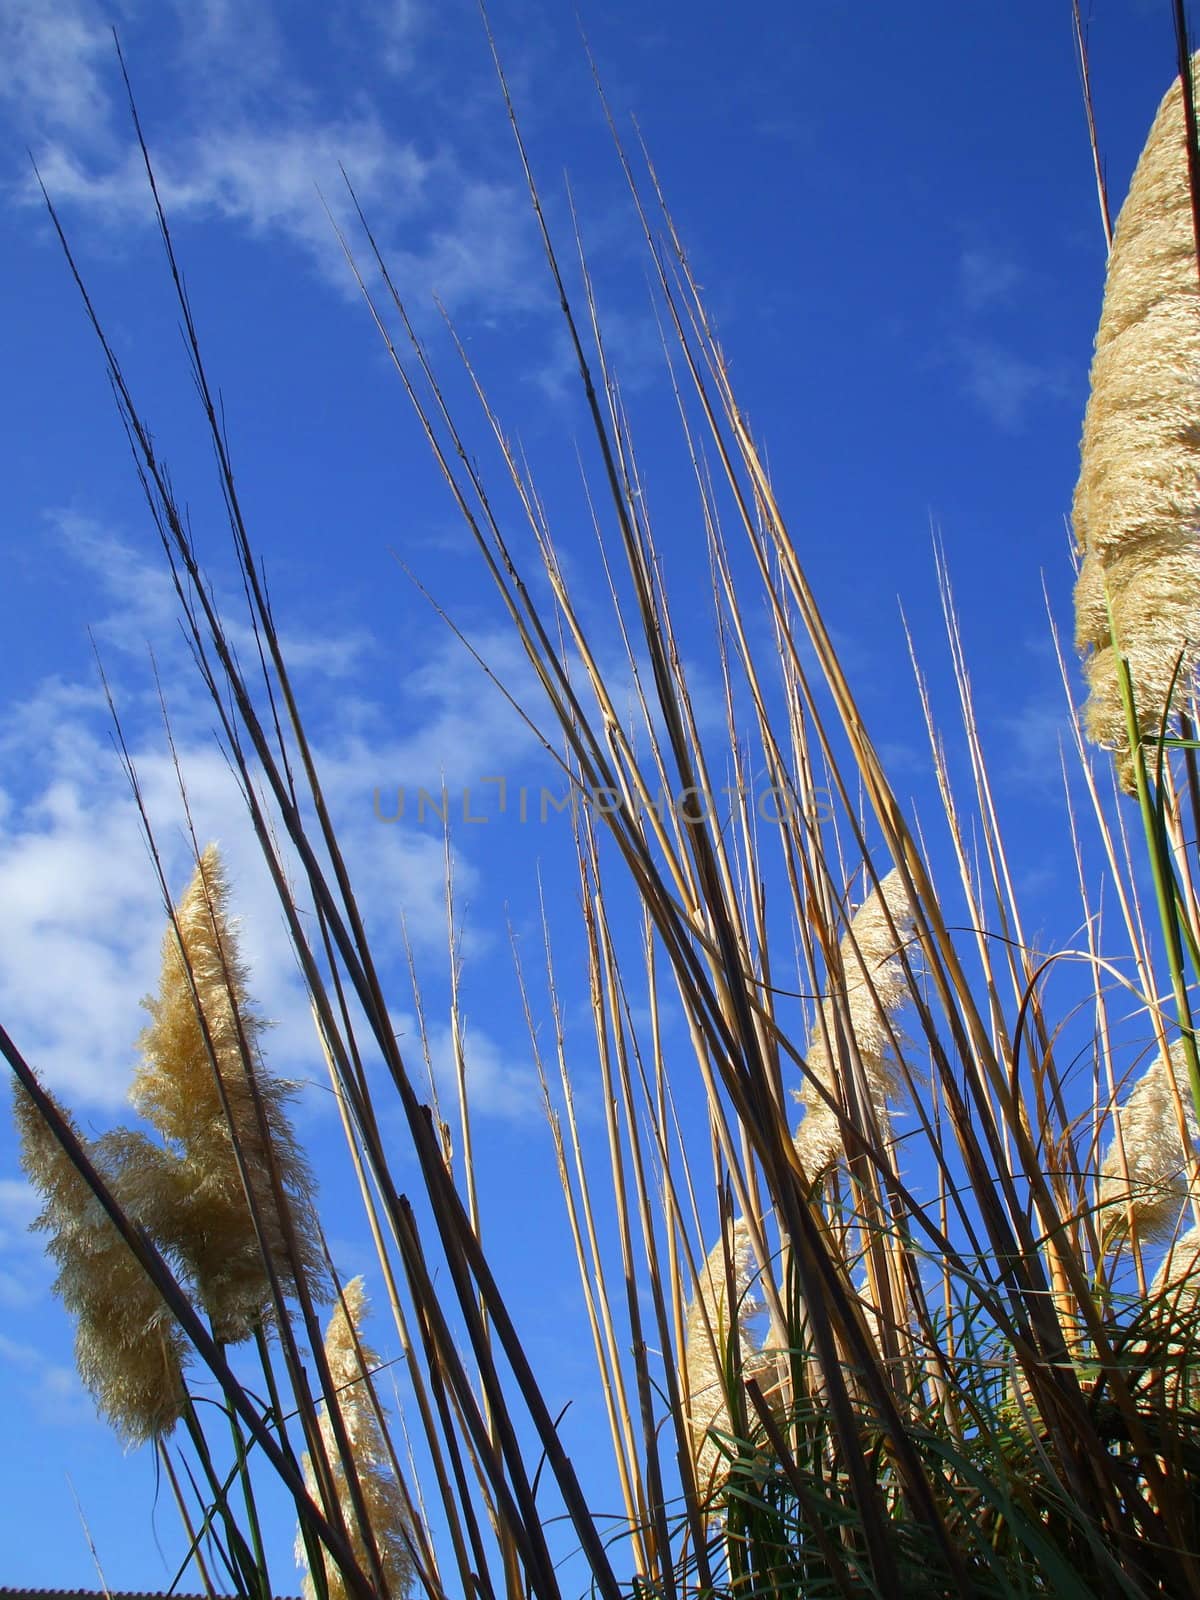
{"type": "Point", "coordinates": [1173, 1296]}
{"type": "Point", "coordinates": [710, 1323]}
{"type": "Point", "coordinates": [1137, 503]}
{"type": "Point", "coordinates": [872, 991]}
{"type": "Point", "coordinates": [128, 1348]}
{"type": "Point", "coordinates": [350, 1363]}
{"type": "Point", "coordinates": [1151, 1184]}
{"type": "Point", "coordinates": [204, 1217]}
{"type": "Point", "coordinates": [1179, 1275]}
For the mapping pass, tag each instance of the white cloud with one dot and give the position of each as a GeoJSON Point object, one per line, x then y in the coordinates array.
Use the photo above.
{"type": "Point", "coordinates": [474, 236]}
{"type": "Point", "coordinates": [85, 919]}
{"type": "Point", "coordinates": [17, 1201]}
{"type": "Point", "coordinates": [18, 1207]}
{"type": "Point", "coordinates": [986, 277]}
{"type": "Point", "coordinates": [140, 591]}
{"type": "Point", "coordinates": [633, 348]}
{"type": "Point", "coordinates": [54, 1392]}
{"type": "Point", "coordinates": [248, 144]}
{"type": "Point", "coordinates": [1005, 384]}
{"type": "Point", "coordinates": [263, 178]}
{"type": "Point", "coordinates": [1036, 735]}
{"type": "Point", "coordinates": [53, 62]}
{"type": "Point", "coordinates": [15, 1295]}
{"type": "Point", "coordinates": [24, 1268]}
{"type": "Point", "coordinates": [145, 604]}
{"type": "Point", "coordinates": [84, 916]}
{"type": "Point", "coordinates": [497, 1084]}
{"type": "Point", "coordinates": [398, 25]}
{"type": "Point", "coordinates": [229, 45]}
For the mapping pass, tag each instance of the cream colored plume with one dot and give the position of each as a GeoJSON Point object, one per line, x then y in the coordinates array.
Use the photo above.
{"type": "Point", "coordinates": [128, 1347]}
{"type": "Point", "coordinates": [349, 1364]}
{"type": "Point", "coordinates": [1174, 1295]}
{"type": "Point", "coordinates": [711, 1320]}
{"type": "Point", "coordinates": [1179, 1275]}
{"type": "Point", "coordinates": [873, 989]}
{"type": "Point", "coordinates": [1137, 503]}
{"type": "Point", "coordinates": [205, 1218]}
{"type": "Point", "coordinates": [1151, 1183]}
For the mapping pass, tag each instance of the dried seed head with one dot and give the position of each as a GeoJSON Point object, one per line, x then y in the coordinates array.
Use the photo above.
{"type": "Point", "coordinates": [1178, 1278]}
{"type": "Point", "coordinates": [128, 1347]}
{"type": "Point", "coordinates": [1151, 1182]}
{"type": "Point", "coordinates": [1137, 503]}
{"type": "Point", "coordinates": [209, 1226]}
{"type": "Point", "coordinates": [712, 1320]}
{"type": "Point", "coordinates": [1174, 1351]}
{"type": "Point", "coordinates": [869, 991]}
{"type": "Point", "coordinates": [350, 1361]}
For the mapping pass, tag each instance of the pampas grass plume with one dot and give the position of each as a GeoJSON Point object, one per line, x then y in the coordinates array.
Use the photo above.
{"type": "Point", "coordinates": [873, 989]}
{"type": "Point", "coordinates": [129, 1349]}
{"type": "Point", "coordinates": [1137, 503]}
{"type": "Point", "coordinates": [710, 1321]}
{"type": "Point", "coordinates": [1150, 1184]}
{"type": "Point", "coordinates": [350, 1360]}
{"type": "Point", "coordinates": [208, 1224]}
{"type": "Point", "coordinates": [1178, 1277]}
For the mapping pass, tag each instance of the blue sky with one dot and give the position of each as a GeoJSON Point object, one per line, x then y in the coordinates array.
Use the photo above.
{"type": "Point", "coordinates": [893, 216]}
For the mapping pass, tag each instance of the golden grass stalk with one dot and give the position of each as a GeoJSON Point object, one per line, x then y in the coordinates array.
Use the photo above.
{"type": "Point", "coordinates": [128, 1348]}
{"type": "Point", "coordinates": [1137, 503]}
{"type": "Point", "coordinates": [854, 1023]}
{"type": "Point", "coordinates": [237, 1193]}
{"type": "Point", "coordinates": [351, 1363]}
{"type": "Point", "coordinates": [1144, 1175]}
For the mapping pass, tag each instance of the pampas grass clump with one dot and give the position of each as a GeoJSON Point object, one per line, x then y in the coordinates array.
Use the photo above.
{"type": "Point", "coordinates": [1137, 504]}
{"type": "Point", "coordinates": [890, 1461]}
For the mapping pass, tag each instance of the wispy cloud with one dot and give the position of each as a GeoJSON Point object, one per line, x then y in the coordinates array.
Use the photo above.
{"type": "Point", "coordinates": [54, 60]}
{"type": "Point", "coordinates": [18, 1207]}
{"type": "Point", "coordinates": [234, 44]}
{"type": "Point", "coordinates": [986, 277]}
{"type": "Point", "coordinates": [267, 164]}
{"type": "Point", "coordinates": [143, 604]}
{"type": "Point", "coordinates": [84, 918]}
{"type": "Point", "coordinates": [1003, 383]}
{"type": "Point", "coordinates": [263, 178]}
{"type": "Point", "coordinates": [398, 26]}
{"type": "Point", "coordinates": [473, 238]}
{"type": "Point", "coordinates": [54, 1391]}
{"type": "Point", "coordinates": [633, 346]}
{"type": "Point", "coordinates": [1036, 734]}
{"type": "Point", "coordinates": [498, 1084]}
